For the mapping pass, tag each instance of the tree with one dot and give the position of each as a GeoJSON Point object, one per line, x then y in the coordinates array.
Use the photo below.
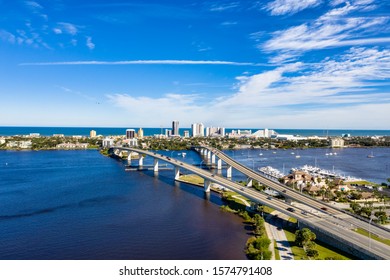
{"type": "Point", "coordinates": [356, 208]}
{"type": "Point", "coordinates": [382, 216]}
{"type": "Point", "coordinates": [312, 253]}
{"type": "Point", "coordinates": [304, 237]}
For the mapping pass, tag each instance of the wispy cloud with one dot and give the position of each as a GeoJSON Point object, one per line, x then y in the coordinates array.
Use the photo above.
{"type": "Point", "coordinates": [333, 29]}
{"type": "Point", "coordinates": [219, 7]}
{"type": "Point", "coordinates": [89, 44]}
{"type": "Point", "coordinates": [283, 7]}
{"type": "Point", "coordinates": [160, 62]}
{"type": "Point", "coordinates": [66, 27]}
{"type": "Point", "coordinates": [286, 94]}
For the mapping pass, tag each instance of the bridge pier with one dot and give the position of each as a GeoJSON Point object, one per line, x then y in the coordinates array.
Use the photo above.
{"type": "Point", "coordinates": [177, 172]}
{"type": "Point", "coordinates": [207, 185]}
{"type": "Point", "coordinates": [155, 166]}
{"type": "Point", "coordinates": [219, 164]}
{"type": "Point", "coordinates": [213, 159]}
{"type": "Point", "coordinates": [208, 154]}
{"type": "Point", "coordinates": [229, 171]}
{"type": "Point", "coordinates": [249, 182]}
{"type": "Point", "coordinates": [141, 161]}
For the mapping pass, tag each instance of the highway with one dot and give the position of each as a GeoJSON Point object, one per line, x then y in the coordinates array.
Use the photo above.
{"type": "Point", "coordinates": [325, 222]}
{"type": "Point", "coordinates": [297, 196]}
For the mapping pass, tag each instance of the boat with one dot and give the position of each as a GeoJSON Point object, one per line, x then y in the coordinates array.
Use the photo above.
{"type": "Point", "coordinates": [260, 154]}
{"type": "Point", "coordinates": [183, 154]}
{"type": "Point", "coordinates": [292, 153]}
{"type": "Point", "coordinates": [272, 172]}
{"type": "Point", "coordinates": [297, 156]}
{"type": "Point", "coordinates": [371, 155]}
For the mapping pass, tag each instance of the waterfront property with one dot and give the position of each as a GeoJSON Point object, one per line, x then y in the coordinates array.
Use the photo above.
{"type": "Point", "coordinates": [322, 222]}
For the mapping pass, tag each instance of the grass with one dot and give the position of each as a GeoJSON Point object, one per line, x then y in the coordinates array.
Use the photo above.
{"type": "Point", "coordinates": [277, 255]}
{"type": "Point", "coordinates": [192, 179]}
{"type": "Point", "coordinates": [325, 251]}
{"type": "Point", "coordinates": [373, 236]}
{"type": "Point", "coordinates": [362, 182]}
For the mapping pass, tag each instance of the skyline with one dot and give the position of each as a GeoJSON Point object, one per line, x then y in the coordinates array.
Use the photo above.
{"type": "Point", "coordinates": [282, 64]}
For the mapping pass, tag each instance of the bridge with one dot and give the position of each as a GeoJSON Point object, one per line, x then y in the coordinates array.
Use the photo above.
{"type": "Point", "coordinates": [334, 223]}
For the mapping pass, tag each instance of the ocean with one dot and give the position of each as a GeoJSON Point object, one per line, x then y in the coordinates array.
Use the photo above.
{"type": "Point", "coordinates": [106, 131]}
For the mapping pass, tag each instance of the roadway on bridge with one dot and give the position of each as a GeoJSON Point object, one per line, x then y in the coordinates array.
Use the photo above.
{"type": "Point", "coordinates": [288, 192]}
{"type": "Point", "coordinates": [331, 225]}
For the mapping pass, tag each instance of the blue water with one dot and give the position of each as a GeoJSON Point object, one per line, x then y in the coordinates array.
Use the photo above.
{"type": "Point", "coordinates": [68, 131]}
{"type": "Point", "coordinates": [348, 161]}
{"type": "Point", "coordinates": [82, 205]}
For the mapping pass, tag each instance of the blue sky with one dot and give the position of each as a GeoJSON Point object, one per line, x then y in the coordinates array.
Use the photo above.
{"type": "Point", "coordinates": [276, 63]}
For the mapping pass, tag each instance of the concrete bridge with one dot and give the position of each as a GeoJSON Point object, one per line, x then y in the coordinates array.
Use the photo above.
{"type": "Point", "coordinates": [334, 224]}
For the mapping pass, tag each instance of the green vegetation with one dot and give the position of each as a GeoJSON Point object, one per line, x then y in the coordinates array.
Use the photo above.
{"type": "Point", "coordinates": [373, 236]}
{"type": "Point", "coordinates": [325, 251]}
{"type": "Point", "coordinates": [257, 247]}
{"type": "Point", "coordinates": [192, 179]}
{"type": "Point", "coordinates": [277, 255]}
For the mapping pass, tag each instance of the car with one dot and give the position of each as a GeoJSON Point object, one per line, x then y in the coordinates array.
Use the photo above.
{"type": "Point", "coordinates": [279, 228]}
{"type": "Point", "coordinates": [242, 189]}
{"type": "Point", "coordinates": [269, 197]}
{"type": "Point", "coordinates": [284, 191]}
{"type": "Point", "coordinates": [304, 212]}
{"type": "Point", "coordinates": [290, 209]}
{"type": "Point", "coordinates": [324, 208]}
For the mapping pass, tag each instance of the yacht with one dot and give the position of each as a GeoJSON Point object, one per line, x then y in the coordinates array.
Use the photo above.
{"type": "Point", "coordinates": [371, 155]}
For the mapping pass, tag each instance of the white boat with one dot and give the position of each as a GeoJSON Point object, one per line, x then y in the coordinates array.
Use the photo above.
{"type": "Point", "coordinates": [371, 155]}
{"type": "Point", "coordinates": [297, 156]}
{"type": "Point", "coordinates": [183, 154]}
{"type": "Point", "coordinates": [292, 153]}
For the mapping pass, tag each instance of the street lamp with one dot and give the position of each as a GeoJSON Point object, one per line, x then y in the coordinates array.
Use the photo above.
{"type": "Point", "coordinates": [253, 164]}
{"type": "Point", "coordinates": [172, 153]}
{"type": "Point", "coordinates": [200, 164]}
{"type": "Point", "coordinates": [369, 233]}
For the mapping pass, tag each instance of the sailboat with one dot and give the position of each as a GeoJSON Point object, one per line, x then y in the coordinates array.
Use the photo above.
{"type": "Point", "coordinates": [371, 156]}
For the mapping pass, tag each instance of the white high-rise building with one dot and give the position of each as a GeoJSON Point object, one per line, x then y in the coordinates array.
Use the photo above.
{"type": "Point", "coordinates": [197, 129]}
{"type": "Point", "coordinates": [215, 131]}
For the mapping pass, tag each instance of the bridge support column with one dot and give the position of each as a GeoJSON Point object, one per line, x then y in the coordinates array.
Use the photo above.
{"type": "Point", "coordinates": [249, 182]}
{"type": "Point", "coordinates": [204, 152]}
{"type": "Point", "coordinates": [177, 172]}
{"type": "Point", "coordinates": [129, 159]}
{"type": "Point", "coordinates": [208, 154]}
{"type": "Point", "coordinates": [213, 159]}
{"type": "Point", "coordinates": [207, 185]}
{"type": "Point", "coordinates": [141, 161]}
{"type": "Point", "coordinates": [229, 171]}
{"type": "Point", "coordinates": [155, 167]}
{"type": "Point", "coordinates": [219, 164]}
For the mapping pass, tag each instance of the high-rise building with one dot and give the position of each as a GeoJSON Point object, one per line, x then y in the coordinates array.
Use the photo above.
{"type": "Point", "coordinates": [186, 134]}
{"type": "Point", "coordinates": [140, 133]}
{"type": "Point", "coordinates": [197, 129]}
{"type": "Point", "coordinates": [175, 128]}
{"type": "Point", "coordinates": [215, 131]}
{"type": "Point", "coordinates": [168, 132]}
{"type": "Point", "coordinates": [130, 133]}
{"type": "Point", "coordinates": [92, 133]}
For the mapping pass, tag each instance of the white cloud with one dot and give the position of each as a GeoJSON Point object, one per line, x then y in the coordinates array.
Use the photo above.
{"type": "Point", "coordinates": [67, 28]}
{"type": "Point", "coordinates": [333, 29]}
{"type": "Point", "coordinates": [283, 7]}
{"type": "Point", "coordinates": [57, 30]}
{"type": "Point", "coordinates": [224, 6]}
{"type": "Point", "coordinates": [295, 95]}
{"type": "Point", "coordinates": [90, 45]}
{"type": "Point", "coordinates": [7, 36]}
{"type": "Point", "coordinates": [34, 5]}
{"type": "Point", "coordinates": [157, 62]}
